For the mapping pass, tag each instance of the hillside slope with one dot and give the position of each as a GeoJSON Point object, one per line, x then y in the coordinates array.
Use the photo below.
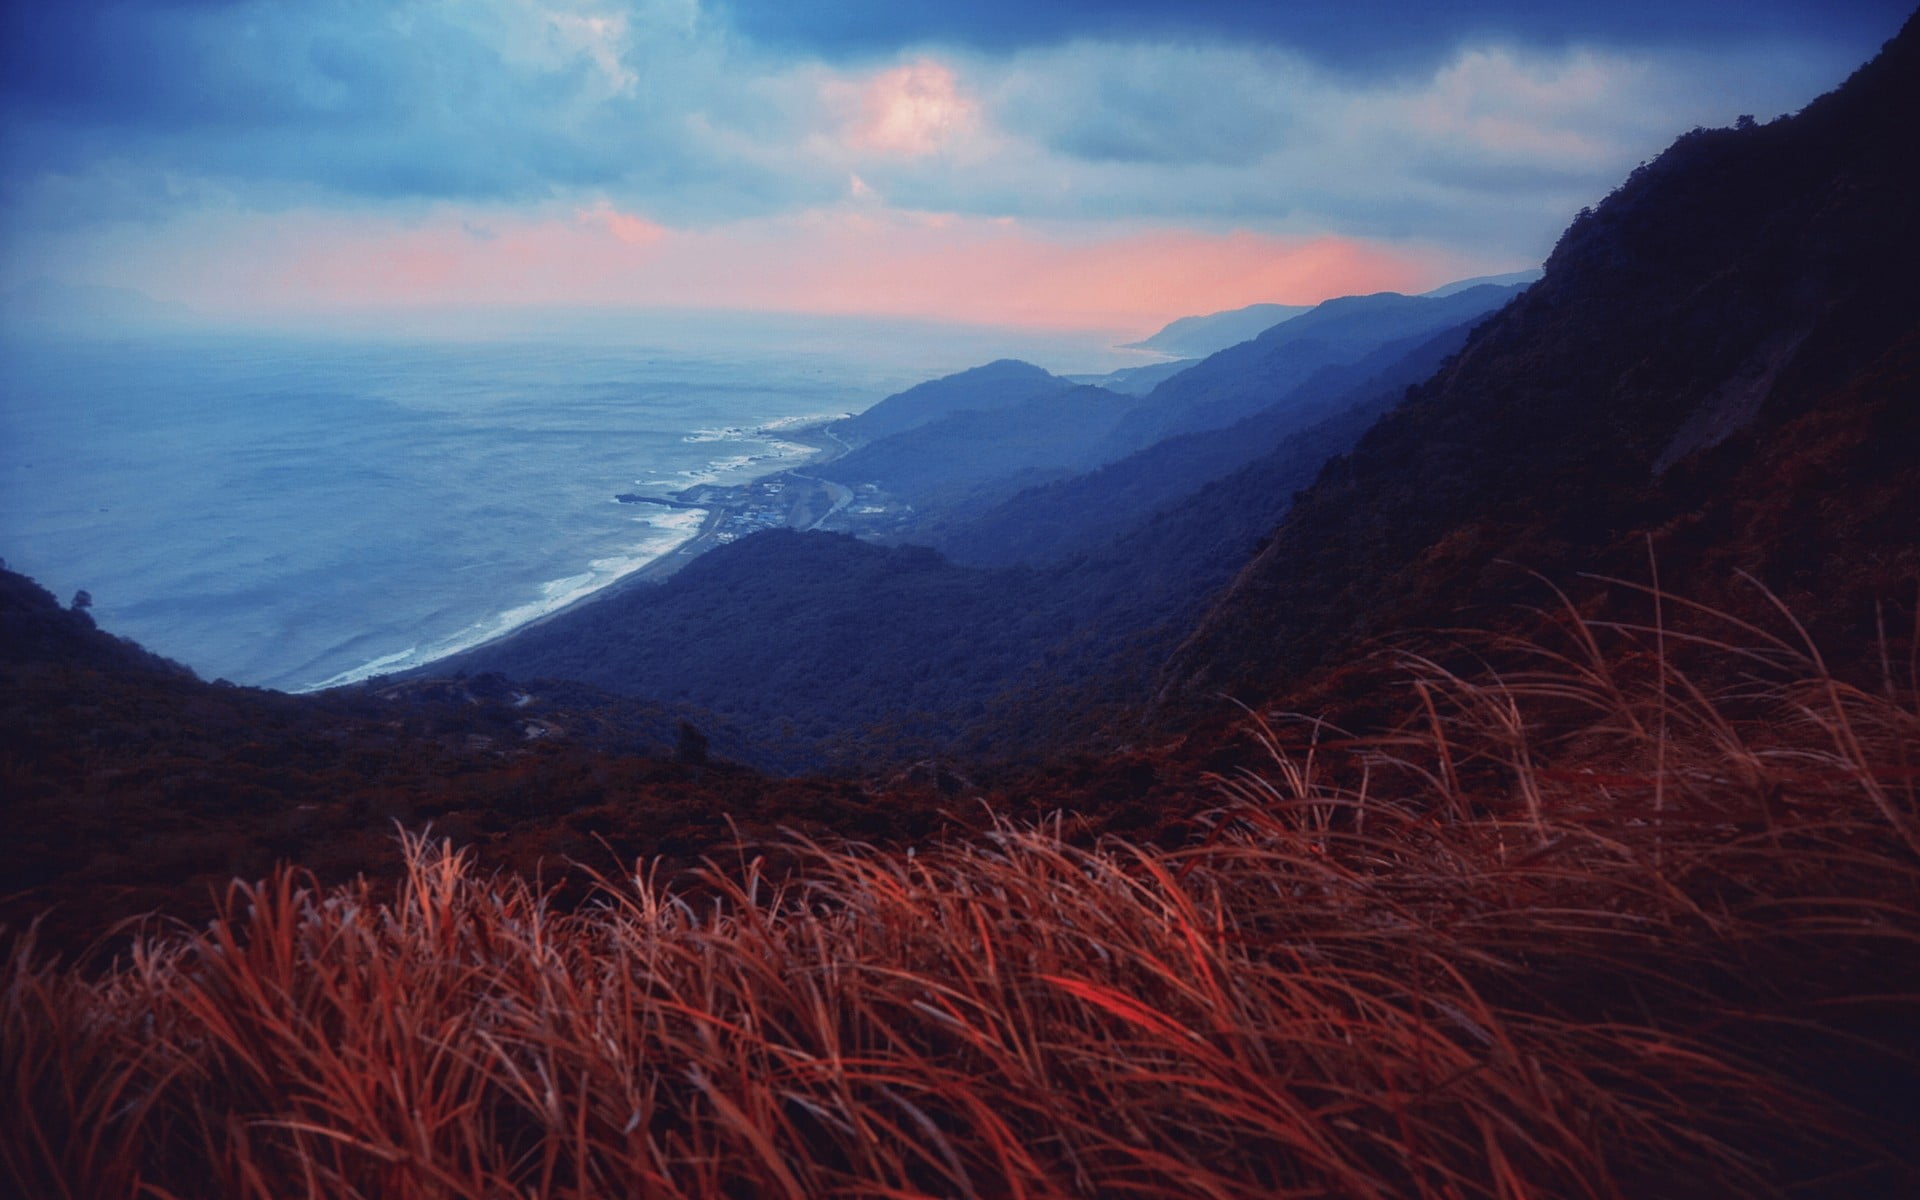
{"type": "Point", "coordinates": [1330, 410]}
{"type": "Point", "coordinates": [1244, 379]}
{"type": "Point", "coordinates": [128, 785]}
{"type": "Point", "coordinates": [979, 456]}
{"type": "Point", "coordinates": [1004, 383]}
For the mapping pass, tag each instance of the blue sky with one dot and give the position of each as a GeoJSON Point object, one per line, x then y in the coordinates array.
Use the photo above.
{"type": "Point", "coordinates": [1068, 163]}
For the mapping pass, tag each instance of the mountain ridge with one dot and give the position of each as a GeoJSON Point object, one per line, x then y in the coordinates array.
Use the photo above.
{"type": "Point", "coordinates": [1199, 336]}
{"type": "Point", "coordinates": [1002, 383]}
{"type": "Point", "coordinates": [1234, 383]}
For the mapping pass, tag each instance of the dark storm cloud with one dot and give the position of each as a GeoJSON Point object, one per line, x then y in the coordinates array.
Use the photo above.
{"type": "Point", "coordinates": [1357, 34]}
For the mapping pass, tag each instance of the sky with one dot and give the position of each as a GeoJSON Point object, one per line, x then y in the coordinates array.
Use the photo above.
{"type": "Point", "coordinates": [1060, 164]}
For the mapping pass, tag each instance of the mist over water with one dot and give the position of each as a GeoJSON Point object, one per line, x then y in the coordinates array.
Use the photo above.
{"type": "Point", "coordinates": [300, 511]}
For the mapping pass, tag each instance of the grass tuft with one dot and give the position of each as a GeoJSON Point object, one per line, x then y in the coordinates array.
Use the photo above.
{"type": "Point", "coordinates": [1638, 914]}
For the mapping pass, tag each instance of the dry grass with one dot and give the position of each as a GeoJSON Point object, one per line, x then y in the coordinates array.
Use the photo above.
{"type": "Point", "coordinates": [1584, 926]}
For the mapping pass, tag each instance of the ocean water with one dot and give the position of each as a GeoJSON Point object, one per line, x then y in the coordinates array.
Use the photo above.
{"type": "Point", "coordinates": [302, 512]}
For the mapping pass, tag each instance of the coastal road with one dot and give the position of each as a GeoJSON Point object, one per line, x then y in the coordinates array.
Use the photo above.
{"type": "Point", "coordinates": [840, 494]}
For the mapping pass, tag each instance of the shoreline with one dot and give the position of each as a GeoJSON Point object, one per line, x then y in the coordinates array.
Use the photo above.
{"type": "Point", "coordinates": [826, 446]}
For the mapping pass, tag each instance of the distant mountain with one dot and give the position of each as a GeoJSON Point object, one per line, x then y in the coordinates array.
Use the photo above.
{"type": "Point", "coordinates": [978, 457]}
{"type": "Point", "coordinates": [1197, 337]}
{"type": "Point", "coordinates": [1721, 359]}
{"type": "Point", "coordinates": [864, 652]}
{"type": "Point", "coordinates": [1510, 279]}
{"type": "Point", "coordinates": [1001, 384]}
{"type": "Point", "coordinates": [952, 467]}
{"type": "Point", "coordinates": [1244, 379]}
{"type": "Point", "coordinates": [37, 630]}
{"type": "Point", "coordinates": [1333, 406]}
{"type": "Point", "coordinates": [1136, 381]}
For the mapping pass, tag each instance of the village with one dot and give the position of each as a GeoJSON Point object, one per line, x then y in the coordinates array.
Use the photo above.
{"type": "Point", "coordinates": [787, 500]}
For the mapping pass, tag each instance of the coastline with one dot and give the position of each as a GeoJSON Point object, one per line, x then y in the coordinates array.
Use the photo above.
{"type": "Point", "coordinates": [826, 447]}
{"type": "Point", "coordinates": [723, 505]}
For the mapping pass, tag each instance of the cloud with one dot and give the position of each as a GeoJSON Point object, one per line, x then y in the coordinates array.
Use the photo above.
{"type": "Point", "coordinates": [483, 99]}
{"type": "Point", "coordinates": [1173, 104]}
{"type": "Point", "coordinates": [1353, 36]}
{"type": "Point", "coordinates": [1495, 147]}
{"type": "Point", "coordinates": [623, 137]}
{"type": "Point", "coordinates": [625, 227]}
{"type": "Point", "coordinates": [911, 110]}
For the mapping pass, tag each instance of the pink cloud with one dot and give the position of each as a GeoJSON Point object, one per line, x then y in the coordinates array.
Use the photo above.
{"type": "Point", "coordinates": [634, 231]}
{"type": "Point", "coordinates": [854, 260]}
{"type": "Point", "coordinates": [909, 111]}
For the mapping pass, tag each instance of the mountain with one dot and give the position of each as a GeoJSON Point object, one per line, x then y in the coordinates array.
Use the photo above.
{"type": "Point", "coordinates": [1243, 379]}
{"type": "Point", "coordinates": [841, 652]}
{"type": "Point", "coordinates": [838, 652]}
{"type": "Point", "coordinates": [978, 456]}
{"type": "Point", "coordinates": [1718, 367]}
{"type": "Point", "coordinates": [1136, 381]}
{"type": "Point", "coordinates": [1330, 410]}
{"type": "Point", "coordinates": [930, 480]}
{"type": "Point", "coordinates": [1510, 279]}
{"type": "Point", "coordinates": [1003, 383]}
{"type": "Point", "coordinates": [1197, 337]}
{"type": "Point", "coordinates": [817, 634]}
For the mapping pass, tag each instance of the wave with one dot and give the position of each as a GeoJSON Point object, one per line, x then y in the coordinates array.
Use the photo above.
{"type": "Point", "coordinates": [738, 468]}
{"type": "Point", "coordinates": [741, 433]}
{"type": "Point", "coordinates": [802, 421]}
{"type": "Point", "coordinates": [667, 532]}
{"type": "Point", "coordinates": [731, 433]}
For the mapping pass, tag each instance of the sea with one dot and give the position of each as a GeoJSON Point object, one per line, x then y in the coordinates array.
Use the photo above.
{"type": "Point", "coordinates": [303, 510]}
